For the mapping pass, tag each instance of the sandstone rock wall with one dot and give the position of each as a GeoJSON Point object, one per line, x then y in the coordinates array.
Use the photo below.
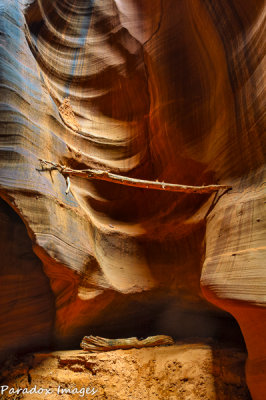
{"type": "Point", "coordinates": [167, 90]}
{"type": "Point", "coordinates": [26, 300]}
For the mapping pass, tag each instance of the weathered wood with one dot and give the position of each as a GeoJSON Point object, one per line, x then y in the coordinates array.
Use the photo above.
{"type": "Point", "coordinates": [97, 343]}
{"type": "Point", "coordinates": [127, 181]}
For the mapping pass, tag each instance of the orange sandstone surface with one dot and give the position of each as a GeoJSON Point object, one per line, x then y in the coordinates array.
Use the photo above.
{"type": "Point", "coordinates": [159, 90]}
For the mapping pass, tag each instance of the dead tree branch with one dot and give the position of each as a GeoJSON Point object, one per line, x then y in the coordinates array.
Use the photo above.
{"type": "Point", "coordinates": [127, 181]}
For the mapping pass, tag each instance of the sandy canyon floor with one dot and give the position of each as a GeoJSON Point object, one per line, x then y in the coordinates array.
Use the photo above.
{"type": "Point", "coordinates": [184, 371]}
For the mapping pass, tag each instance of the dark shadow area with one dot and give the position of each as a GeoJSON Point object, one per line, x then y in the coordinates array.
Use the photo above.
{"type": "Point", "coordinates": [157, 313]}
{"type": "Point", "coordinates": [229, 372]}
{"type": "Point", "coordinates": [26, 300]}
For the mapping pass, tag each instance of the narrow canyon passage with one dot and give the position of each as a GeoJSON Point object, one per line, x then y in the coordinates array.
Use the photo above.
{"type": "Point", "coordinates": [164, 91]}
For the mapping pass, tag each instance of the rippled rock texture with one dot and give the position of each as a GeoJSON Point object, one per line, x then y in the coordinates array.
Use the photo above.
{"type": "Point", "coordinates": [164, 90]}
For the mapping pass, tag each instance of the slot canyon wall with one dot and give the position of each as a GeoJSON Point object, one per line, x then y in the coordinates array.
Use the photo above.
{"type": "Point", "coordinates": [163, 90]}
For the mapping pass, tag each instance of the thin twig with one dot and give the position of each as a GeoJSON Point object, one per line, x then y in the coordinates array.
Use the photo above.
{"type": "Point", "coordinates": [124, 180]}
{"type": "Point", "coordinates": [68, 185]}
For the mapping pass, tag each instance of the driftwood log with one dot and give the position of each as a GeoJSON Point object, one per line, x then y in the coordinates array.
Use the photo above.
{"type": "Point", "coordinates": [97, 343]}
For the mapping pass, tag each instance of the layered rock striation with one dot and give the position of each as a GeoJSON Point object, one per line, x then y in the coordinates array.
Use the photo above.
{"type": "Point", "coordinates": [169, 91]}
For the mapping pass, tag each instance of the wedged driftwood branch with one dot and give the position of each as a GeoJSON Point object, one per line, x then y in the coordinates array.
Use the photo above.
{"type": "Point", "coordinates": [127, 181]}
{"type": "Point", "coordinates": [97, 343]}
